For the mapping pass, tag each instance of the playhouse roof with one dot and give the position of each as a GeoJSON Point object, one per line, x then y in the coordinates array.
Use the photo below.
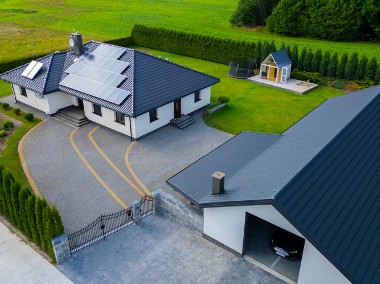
{"type": "Point", "coordinates": [281, 58]}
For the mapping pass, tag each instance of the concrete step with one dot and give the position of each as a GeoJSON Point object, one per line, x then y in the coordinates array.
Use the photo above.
{"type": "Point", "coordinates": [74, 121]}
{"type": "Point", "coordinates": [182, 122]}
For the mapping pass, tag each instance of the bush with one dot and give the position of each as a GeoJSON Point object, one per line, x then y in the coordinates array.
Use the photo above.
{"type": "Point", "coordinates": [5, 106]}
{"type": "Point", "coordinates": [342, 66]}
{"type": "Point", "coordinates": [333, 65]}
{"type": "Point", "coordinates": [3, 133]}
{"type": "Point", "coordinates": [365, 83]}
{"type": "Point", "coordinates": [362, 66]}
{"type": "Point", "coordinates": [324, 64]}
{"type": "Point", "coordinates": [316, 62]}
{"type": "Point", "coordinates": [29, 117]}
{"type": "Point", "coordinates": [313, 77]}
{"type": "Point", "coordinates": [17, 111]}
{"type": "Point", "coordinates": [7, 124]}
{"type": "Point", "coordinates": [308, 61]}
{"type": "Point", "coordinates": [338, 84]}
{"type": "Point", "coordinates": [351, 66]}
{"type": "Point", "coordinates": [371, 69]}
{"type": "Point", "coordinates": [223, 100]}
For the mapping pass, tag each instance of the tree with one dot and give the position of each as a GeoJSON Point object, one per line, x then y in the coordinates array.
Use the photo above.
{"type": "Point", "coordinates": [301, 60]}
{"type": "Point", "coordinates": [15, 190]}
{"type": "Point", "coordinates": [2, 193]}
{"type": "Point", "coordinates": [333, 65]}
{"type": "Point", "coordinates": [294, 57]}
{"type": "Point", "coordinates": [352, 66]}
{"type": "Point", "coordinates": [308, 60]}
{"type": "Point", "coordinates": [31, 209]}
{"type": "Point", "coordinates": [257, 53]}
{"type": "Point", "coordinates": [342, 66]}
{"type": "Point", "coordinates": [265, 51]}
{"type": "Point", "coordinates": [7, 180]}
{"type": "Point", "coordinates": [362, 66]}
{"type": "Point", "coordinates": [371, 68]}
{"type": "Point", "coordinates": [57, 222]}
{"type": "Point", "coordinates": [23, 197]}
{"type": "Point", "coordinates": [324, 63]}
{"type": "Point", "coordinates": [39, 207]}
{"type": "Point", "coordinates": [316, 62]}
{"type": "Point", "coordinates": [377, 74]}
{"type": "Point", "coordinates": [272, 47]}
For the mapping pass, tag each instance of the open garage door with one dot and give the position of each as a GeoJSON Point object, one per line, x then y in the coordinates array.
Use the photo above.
{"type": "Point", "coordinates": [258, 245]}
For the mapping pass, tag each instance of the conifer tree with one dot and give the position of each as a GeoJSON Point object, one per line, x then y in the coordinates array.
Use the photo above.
{"type": "Point", "coordinates": [316, 62]}
{"type": "Point", "coordinates": [351, 66]}
{"type": "Point", "coordinates": [342, 66]}
{"type": "Point", "coordinates": [333, 65]}
{"type": "Point", "coordinates": [308, 61]}
{"type": "Point", "coordinates": [31, 209]}
{"type": "Point", "coordinates": [362, 66]}
{"type": "Point", "coordinates": [294, 57]}
{"type": "Point", "coordinates": [324, 63]}
{"type": "Point", "coordinates": [301, 60]}
{"type": "Point", "coordinates": [23, 197]}
{"type": "Point", "coordinates": [257, 53]}
{"type": "Point", "coordinates": [371, 68]}
{"type": "Point", "coordinates": [377, 74]}
{"type": "Point", "coordinates": [265, 51]}
{"type": "Point", "coordinates": [15, 190]}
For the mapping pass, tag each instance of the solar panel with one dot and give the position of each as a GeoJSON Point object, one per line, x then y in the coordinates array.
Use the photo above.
{"type": "Point", "coordinates": [32, 69]}
{"type": "Point", "coordinates": [96, 74]}
{"type": "Point", "coordinates": [109, 51]}
{"type": "Point", "coordinates": [95, 89]}
{"type": "Point", "coordinates": [103, 62]}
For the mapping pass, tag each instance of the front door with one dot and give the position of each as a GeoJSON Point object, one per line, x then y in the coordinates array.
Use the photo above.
{"type": "Point", "coordinates": [80, 103]}
{"type": "Point", "coordinates": [177, 108]}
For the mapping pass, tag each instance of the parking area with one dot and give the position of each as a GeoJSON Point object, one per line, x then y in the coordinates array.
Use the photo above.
{"type": "Point", "coordinates": [174, 255]}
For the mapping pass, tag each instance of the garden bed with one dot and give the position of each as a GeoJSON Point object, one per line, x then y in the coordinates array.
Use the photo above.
{"type": "Point", "coordinates": [16, 125]}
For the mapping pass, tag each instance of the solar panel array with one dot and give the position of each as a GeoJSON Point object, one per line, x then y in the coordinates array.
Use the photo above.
{"type": "Point", "coordinates": [32, 69]}
{"type": "Point", "coordinates": [96, 89]}
{"type": "Point", "coordinates": [98, 74]}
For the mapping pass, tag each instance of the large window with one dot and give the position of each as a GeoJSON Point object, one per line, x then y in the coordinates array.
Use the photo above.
{"type": "Point", "coordinates": [197, 96]}
{"type": "Point", "coordinates": [23, 92]}
{"type": "Point", "coordinates": [119, 117]}
{"type": "Point", "coordinates": [153, 115]}
{"type": "Point", "coordinates": [97, 109]}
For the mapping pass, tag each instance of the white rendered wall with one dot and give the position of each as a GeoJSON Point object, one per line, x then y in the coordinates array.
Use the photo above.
{"type": "Point", "coordinates": [58, 100]}
{"type": "Point", "coordinates": [144, 126]}
{"type": "Point", "coordinates": [188, 105]}
{"type": "Point", "coordinates": [107, 119]}
{"type": "Point", "coordinates": [38, 102]}
{"type": "Point", "coordinates": [289, 70]}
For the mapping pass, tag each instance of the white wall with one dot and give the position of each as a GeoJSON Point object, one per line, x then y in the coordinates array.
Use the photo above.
{"type": "Point", "coordinates": [289, 70]}
{"type": "Point", "coordinates": [58, 100]}
{"type": "Point", "coordinates": [107, 119]}
{"type": "Point", "coordinates": [143, 124]}
{"type": "Point", "coordinates": [38, 102]}
{"type": "Point", "coordinates": [188, 105]}
{"type": "Point", "coordinates": [226, 225]}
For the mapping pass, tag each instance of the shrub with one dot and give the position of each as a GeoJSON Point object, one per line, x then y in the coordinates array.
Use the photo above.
{"type": "Point", "coordinates": [342, 65]}
{"type": "Point", "coordinates": [308, 61]}
{"type": "Point", "coordinates": [351, 66]}
{"type": "Point", "coordinates": [29, 117]}
{"type": "Point", "coordinates": [316, 62]}
{"type": "Point", "coordinates": [377, 74]}
{"type": "Point", "coordinates": [360, 71]}
{"type": "Point", "coordinates": [338, 84]}
{"type": "Point", "coordinates": [365, 83]}
{"type": "Point", "coordinates": [371, 68]}
{"type": "Point", "coordinates": [3, 133]}
{"type": "Point", "coordinates": [333, 65]}
{"type": "Point", "coordinates": [313, 77]}
{"type": "Point", "coordinates": [294, 56]}
{"type": "Point", "coordinates": [301, 60]}
{"type": "Point", "coordinates": [7, 124]}
{"type": "Point", "coordinates": [17, 111]}
{"type": "Point", "coordinates": [324, 63]}
{"type": "Point", "coordinates": [5, 106]}
{"type": "Point", "coordinates": [223, 100]}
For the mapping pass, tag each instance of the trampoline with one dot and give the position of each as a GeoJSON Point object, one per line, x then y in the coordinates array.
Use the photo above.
{"type": "Point", "coordinates": [242, 68]}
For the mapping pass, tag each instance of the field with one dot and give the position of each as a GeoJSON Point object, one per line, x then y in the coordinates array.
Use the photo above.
{"type": "Point", "coordinates": [34, 27]}
{"type": "Point", "coordinates": [252, 106]}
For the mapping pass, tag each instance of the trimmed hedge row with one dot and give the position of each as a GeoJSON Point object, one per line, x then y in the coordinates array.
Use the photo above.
{"type": "Point", "coordinates": [192, 45]}
{"type": "Point", "coordinates": [30, 214]}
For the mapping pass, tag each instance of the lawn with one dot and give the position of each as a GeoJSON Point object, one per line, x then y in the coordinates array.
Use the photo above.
{"type": "Point", "coordinates": [5, 89]}
{"type": "Point", "coordinates": [35, 27]}
{"type": "Point", "coordinates": [252, 106]}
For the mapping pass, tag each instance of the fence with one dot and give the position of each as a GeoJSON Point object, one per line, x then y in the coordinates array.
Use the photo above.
{"type": "Point", "coordinates": [106, 225]}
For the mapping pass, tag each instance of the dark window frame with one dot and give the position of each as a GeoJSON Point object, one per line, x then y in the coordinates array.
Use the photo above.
{"type": "Point", "coordinates": [23, 92]}
{"type": "Point", "coordinates": [119, 117]}
{"type": "Point", "coordinates": [97, 109]}
{"type": "Point", "coordinates": [153, 115]}
{"type": "Point", "coordinates": [197, 96]}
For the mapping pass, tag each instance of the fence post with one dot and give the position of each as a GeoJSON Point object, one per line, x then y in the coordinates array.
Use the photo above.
{"type": "Point", "coordinates": [136, 211]}
{"type": "Point", "coordinates": [102, 226]}
{"type": "Point", "coordinates": [155, 200]}
{"type": "Point", "coordinates": [61, 248]}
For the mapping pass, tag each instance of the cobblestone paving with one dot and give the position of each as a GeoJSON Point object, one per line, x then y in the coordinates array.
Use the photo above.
{"type": "Point", "coordinates": [157, 250]}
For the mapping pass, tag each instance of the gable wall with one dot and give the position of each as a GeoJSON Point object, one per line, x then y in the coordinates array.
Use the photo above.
{"type": "Point", "coordinates": [58, 100]}
{"type": "Point", "coordinates": [39, 102]}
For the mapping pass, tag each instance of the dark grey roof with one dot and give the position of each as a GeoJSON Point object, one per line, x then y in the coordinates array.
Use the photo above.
{"type": "Point", "coordinates": [335, 200]}
{"type": "Point", "coordinates": [152, 82]}
{"type": "Point", "coordinates": [281, 58]}
{"type": "Point", "coordinates": [228, 158]}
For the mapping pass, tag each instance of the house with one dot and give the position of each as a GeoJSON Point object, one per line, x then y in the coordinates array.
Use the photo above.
{"type": "Point", "coordinates": [319, 180]}
{"type": "Point", "coordinates": [276, 67]}
{"type": "Point", "coordinates": [123, 89]}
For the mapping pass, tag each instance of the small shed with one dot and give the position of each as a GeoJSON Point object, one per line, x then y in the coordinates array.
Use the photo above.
{"type": "Point", "coordinates": [276, 67]}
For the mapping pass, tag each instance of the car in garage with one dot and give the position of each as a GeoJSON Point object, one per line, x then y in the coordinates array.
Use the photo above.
{"type": "Point", "coordinates": [286, 244]}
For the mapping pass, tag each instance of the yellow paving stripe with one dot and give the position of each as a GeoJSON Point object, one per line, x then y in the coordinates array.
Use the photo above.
{"type": "Point", "coordinates": [22, 159]}
{"type": "Point", "coordinates": [93, 171]}
{"type": "Point", "coordinates": [112, 164]}
{"type": "Point", "coordinates": [132, 172]}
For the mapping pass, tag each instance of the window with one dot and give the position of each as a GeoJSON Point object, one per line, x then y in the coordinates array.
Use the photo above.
{"type": "Point", "coordinates": [197, 96]}
{"type": "Point", "coordinates": [153, 115]}
{"type": "Point", "coordinates": [98, 109]}
{"type": "Point", "coordinates": [119, 117]}
{"type": "Point", "coordinates": [23, 92]}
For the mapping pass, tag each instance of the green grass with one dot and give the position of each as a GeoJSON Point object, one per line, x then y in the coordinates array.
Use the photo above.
{"type": "Point", "coordinates": [5, 89]}
{"type": "Point", "coordinates": [35, 27]}
{"type": "Point", "coordinates": [252, 106]}
{"type": "Point", "coordinates": [10, 158]}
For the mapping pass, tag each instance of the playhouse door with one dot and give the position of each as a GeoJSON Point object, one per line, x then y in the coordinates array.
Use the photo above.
{"type": "Point", "coordinates": [284, 74]}
{"type": "Point", "coordinates": [272, 73]}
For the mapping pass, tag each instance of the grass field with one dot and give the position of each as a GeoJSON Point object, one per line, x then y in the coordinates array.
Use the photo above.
{"type": "Point", "coordinates": [34, 27]}
{"type": "Point", "coordinates": [252, 106]}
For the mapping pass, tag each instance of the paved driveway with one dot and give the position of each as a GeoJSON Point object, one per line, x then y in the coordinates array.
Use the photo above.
{"type": "Point", "coordinates": [84, 171]}
{"type": "Point", "coordinates": [174, 255]}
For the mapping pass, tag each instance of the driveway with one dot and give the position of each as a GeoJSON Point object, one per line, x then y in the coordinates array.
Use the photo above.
{"type": "Point", "coordinates": [91, 171]}
{"type": "Point", "coordinates": [174, 255]}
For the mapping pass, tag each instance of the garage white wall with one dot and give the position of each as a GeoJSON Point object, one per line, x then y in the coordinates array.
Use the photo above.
{"type": "Point", "coordinates": [32, 99]}
{"type": "Point", "coordinates": [188, 105]}
{"type": "Point", "coordinates": [107, 119]}
{"type": "Point", "coordinates": [143, 124]}
{"type": "Point", "coordinates": [58, 100]}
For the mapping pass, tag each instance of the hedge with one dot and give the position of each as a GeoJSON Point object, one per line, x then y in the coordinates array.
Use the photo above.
{"type": "Point", "coordinates": [31, 215]}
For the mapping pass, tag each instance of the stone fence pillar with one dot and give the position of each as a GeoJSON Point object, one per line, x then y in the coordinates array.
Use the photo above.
{"type": "Point", "coordinates": [61, 248]}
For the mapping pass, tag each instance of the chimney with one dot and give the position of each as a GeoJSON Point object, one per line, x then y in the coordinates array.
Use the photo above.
{"type": "Point", "coordinates": [218, 183]}
{"type": "Point", "coordinates": [76, 43]}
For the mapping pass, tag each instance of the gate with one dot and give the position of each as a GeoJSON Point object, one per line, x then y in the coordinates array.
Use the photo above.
{"type": "Point", "coordinates": [106, 225]}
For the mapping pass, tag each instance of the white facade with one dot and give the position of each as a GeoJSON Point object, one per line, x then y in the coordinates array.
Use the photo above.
{"type": "Point", "coordinates": [189, 105]}
{"type": "Point", "coordinates": [226, 225]}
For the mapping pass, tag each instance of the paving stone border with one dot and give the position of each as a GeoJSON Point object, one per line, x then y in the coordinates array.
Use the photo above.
{"type": "Point", "coordinates": [170, 207]}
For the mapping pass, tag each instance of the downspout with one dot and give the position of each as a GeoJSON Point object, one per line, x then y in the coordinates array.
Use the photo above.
{"type": "Point", "coordinates": [130, 127]}
{"type": "Point", "coordinates": [14, 94]}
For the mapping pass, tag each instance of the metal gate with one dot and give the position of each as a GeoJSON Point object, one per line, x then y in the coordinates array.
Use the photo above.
{"type": "Point", "coordinates": [106, 225]}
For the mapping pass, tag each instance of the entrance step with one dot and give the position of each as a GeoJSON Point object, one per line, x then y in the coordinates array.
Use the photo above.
{"type": "Point", "coordinates": [182, 122]}
{"type": "Point", "coordinates": [73, 116]}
